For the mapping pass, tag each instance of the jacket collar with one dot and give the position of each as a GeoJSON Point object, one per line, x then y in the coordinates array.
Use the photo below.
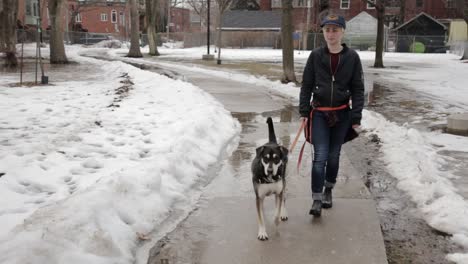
{"type": "Point", "coordinates": [345, 49]}
{"type": "Point", "coordinates": [326, 59]}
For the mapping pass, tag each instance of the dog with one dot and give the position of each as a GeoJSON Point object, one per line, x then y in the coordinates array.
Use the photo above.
{"type": "Point", "coordinates": [269, 177]}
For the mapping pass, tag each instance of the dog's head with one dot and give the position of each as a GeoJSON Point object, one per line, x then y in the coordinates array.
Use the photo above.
{"type": "Point", "coordinates": [272, 156]}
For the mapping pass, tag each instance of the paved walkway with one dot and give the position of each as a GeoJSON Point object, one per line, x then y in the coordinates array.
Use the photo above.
{"type": "Point", "coordinates": [223, 229]}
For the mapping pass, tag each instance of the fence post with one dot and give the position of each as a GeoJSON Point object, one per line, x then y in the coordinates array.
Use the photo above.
{"type": "Point", "coordinates": [396, 43]}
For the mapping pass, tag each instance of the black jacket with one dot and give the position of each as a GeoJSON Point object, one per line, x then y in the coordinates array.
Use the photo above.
{"type": "Point", "coordinates": [318, 80]}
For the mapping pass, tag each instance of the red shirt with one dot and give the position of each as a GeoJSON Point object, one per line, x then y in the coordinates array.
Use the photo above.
{"type": "Point", "coordinates": [334, 58]}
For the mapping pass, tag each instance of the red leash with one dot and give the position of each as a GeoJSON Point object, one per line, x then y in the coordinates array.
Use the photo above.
{"type": "Point", "coordinates": [309, 135]}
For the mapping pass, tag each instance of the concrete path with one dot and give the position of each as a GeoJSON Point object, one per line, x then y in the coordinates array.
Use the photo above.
{"type": "Point", "coordinates": [223, 228]}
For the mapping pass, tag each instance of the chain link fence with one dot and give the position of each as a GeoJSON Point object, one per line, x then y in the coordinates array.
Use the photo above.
{"type": "Point", "coordinates": [265, 39]}
{"type": "Point", "coordinates": [85, 38]}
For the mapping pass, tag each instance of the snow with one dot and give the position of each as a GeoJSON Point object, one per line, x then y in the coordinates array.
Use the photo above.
{"type": "Point", "coordinates": [412, 156]}
{"type": "Point", "coordinates": [415, 157]}
{"type": "Point", "coordinates": [84, 179]}
{"type": "Point", "coordinates": [290, 89]}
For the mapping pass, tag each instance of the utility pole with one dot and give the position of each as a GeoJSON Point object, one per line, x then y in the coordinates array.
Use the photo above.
{"type": "Point", "coordinates": [208, 27]}
{"type": "Point", "coordinates": [208, 56]}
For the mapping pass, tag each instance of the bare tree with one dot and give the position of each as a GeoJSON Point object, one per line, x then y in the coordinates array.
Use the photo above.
{"type": "Point", "coordinates": [200, 8]}
{"type": "Point", "coordinates": [287, 42]}
{"type": "Point", "coordinates": [462, 7]}
{"type": "Point", "coordinates": [379, 44]}
{"type": "Point", "coordinates": [8, 14]}
{"type": "Point", "coordinates": [154, 10]}
{"type": "Point", "coordinates": [222, 7]}
{"type": "Point", "coordinates": [57, 47]}
{"type": "Point", "coordinates": [402, 12]}
{"type": "Point", "coordinates": [134, 51]}
{"type": "Point", "coordinates": [244, 5]}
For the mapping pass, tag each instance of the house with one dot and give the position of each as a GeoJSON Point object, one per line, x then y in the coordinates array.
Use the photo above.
{"type": "Point", "coordinates": [196, 24]}
{"type": "Point", "coordinates": [243, 28]}
{"type": "Point", "coordinates": [361, 31]}
{"type": "Point", "coordinates": [243, 20]}
{"type": "Point", "coordinates": [99, 16]}
{"type": "Point", "coordinates": [423, 33]}
{"type": "Point", "coordinates": [439, 9]}
{"type": "Point", "coordinates": [28, 13]}
{"type": "Point", "coordinates": [180, 20]}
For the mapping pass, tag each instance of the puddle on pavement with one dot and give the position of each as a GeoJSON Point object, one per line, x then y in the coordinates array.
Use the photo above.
{"type": "Point", "coordinates": [272, 70]}
{"type": "Point", "coordinates": [245, 152]}
{"type": "Point", "coordinates": [401, 105]}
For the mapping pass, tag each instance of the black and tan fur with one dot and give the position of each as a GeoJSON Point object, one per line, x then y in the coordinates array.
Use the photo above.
{"type": "Point", "coordinates": [269, 177]}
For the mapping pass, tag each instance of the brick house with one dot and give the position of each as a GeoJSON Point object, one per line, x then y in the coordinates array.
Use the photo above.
{"type": "Point", "coordinates": [97, 16]}
{"type": "Point", "coordinates": [439, 9]}
{"type": "Point", "coordinates": [28, 12]}
{"type": "Point", "coordinates": [180, 20]}
{"type": "Point", "coordinates": [100, 16]}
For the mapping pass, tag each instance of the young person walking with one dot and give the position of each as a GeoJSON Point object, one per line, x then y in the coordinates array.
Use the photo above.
{"type": "Point", "coordinates": [333, 75]}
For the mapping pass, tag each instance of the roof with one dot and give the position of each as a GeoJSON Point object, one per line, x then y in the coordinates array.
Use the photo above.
{"type": "Point", "coordinates": [416, 17]}
{"type": "Point", "coordinates": [363, 14]}
{"type": "Point", "coordinates": [251, 20]}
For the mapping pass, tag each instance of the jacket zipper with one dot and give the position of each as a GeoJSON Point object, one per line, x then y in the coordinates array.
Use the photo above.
{"type": "Point", "coordinates": [333, 78]}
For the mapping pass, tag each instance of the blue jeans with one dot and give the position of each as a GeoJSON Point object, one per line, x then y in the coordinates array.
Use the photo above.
{"type": "Point", "coordinates": [327, 143]}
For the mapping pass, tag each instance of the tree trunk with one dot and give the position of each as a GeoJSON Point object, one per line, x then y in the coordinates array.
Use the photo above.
{"type": "Point", "coordinates": [287, 42]}
{"type": "Point", "coordinates": [8, 14]}
{"type": "Point", "coordinates": [218, 41]}
{"type": "Point", "coordinates": [152, 18]}
{"type": "Point", "coordinates": [379, 45]}
{"type": "Point", "coordinates": [465, 51]}
{"type": "Point", "coordinates": [57, 47]}
{"type": "Point", "coordinates": [134, 51]}
{"type": "Point", "coordinates": [402, 12]}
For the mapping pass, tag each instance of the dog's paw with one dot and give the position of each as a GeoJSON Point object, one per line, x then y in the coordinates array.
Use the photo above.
{"type": "Point", "coordinates": [262, 235]}
{"type": "Point", "coordinates": [284, 215]}
{"type": "Point", "coordinates": [277, 220]}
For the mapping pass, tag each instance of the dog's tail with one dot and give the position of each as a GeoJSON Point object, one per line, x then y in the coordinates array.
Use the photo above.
{"type": "Point", "coordinates": [271, 131]}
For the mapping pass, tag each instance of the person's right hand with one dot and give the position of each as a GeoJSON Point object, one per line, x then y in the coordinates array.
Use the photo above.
{"type": "Point", "coordinates": [303, 119]}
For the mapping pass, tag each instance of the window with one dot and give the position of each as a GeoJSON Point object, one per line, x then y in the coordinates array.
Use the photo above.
{"type": "Point", "coordinates": [103, 17]}
{"type": "Point", "coordinates": [78, 18]}
{"type": "Point", "coordinates": [48, 16]}
{"type": "Point", "coordinates": [122, 18]}
{"type": "Point", "coordinates": [276, 3]}
{"type": "Point", "coordinates": [32, 8]}
{"type": "Point", "coordinates": [28, 8]}
{"type": "Point", "coordinates": [35, 9]}
{"type": "Point", "coordinates": [419, 3]}
{"type": "Point", "coordinates": [114, 16]}
{"type": "Point", "coordinates": [300, 3]}
{"type": "Point", "coordinates": [345, 4]}
{"type": "Point", "coordinates": [371, 6]}
{"type": "Point", "coordinates": [450, 4]}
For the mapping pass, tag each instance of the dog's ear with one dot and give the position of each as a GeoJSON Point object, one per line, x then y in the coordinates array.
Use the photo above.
{"type": "Point", "coordinates": [260, 150]}
{"type": "Point", "coordinates": [284, 152]}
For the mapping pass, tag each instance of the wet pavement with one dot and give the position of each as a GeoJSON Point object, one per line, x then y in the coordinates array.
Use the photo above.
{"type": "Point", "coordinates": [223, 227]}
{"type": "Point", "coordinates": [421, 111]}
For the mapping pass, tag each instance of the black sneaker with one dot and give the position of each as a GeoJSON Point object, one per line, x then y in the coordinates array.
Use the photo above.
{"type": "Point", "coordinates": [327, 198]}
{"type": "Point", "coordinates": [316, 209]}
